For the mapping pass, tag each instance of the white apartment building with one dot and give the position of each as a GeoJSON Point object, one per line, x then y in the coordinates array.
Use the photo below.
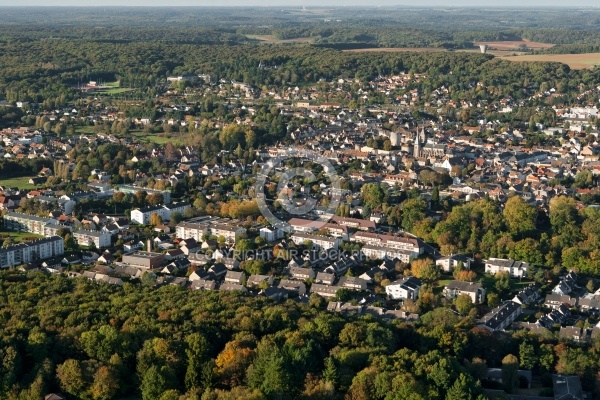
{"type": "Point", "coordinates": [24, 253]}
{"type": "Point", "coordinates": [27, 223]}
{"type": "Point", "coordinates": [516, 269]}
{"type": "Point", "coordinates": [85, 238]}
{"type": "Point", "coordinates": [143, 215]}
{"type": "Point", "coordinates": [392, 242]}
{"type": "Point", "coordinates": [381, 252]}
{"type": "Point", "coordinates": [322, 242]}
{"type": "Point", "coordinates": [197, 229]}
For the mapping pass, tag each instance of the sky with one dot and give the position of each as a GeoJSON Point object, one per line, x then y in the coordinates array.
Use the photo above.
{"type": "Point", "coordinates": [328, 3]}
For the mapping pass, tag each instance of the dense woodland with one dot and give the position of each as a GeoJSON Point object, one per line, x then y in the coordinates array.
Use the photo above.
{"type": "Point", "coordinates": [95, 341]}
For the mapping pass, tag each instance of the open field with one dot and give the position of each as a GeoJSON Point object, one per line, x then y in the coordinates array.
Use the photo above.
{"type": "Point", "coordinates": [84, 130]}
{"type": "Point", "coordinates": [160, 138]}
{"type": "Point", "coordinates": [270, 39]}
{"type": "Point", "coordinates": [111, 88]}
{"type": "Point", "coordinates": [499, 49]}
{"type": "Point", "coordinates": [396, 49]}
{"type": "Point", "coordinates": [515, 45]}
{"type": "Point", "coordinates": [575, 61]}
{"type": "Point", "coordinates": [21, 182]}
{"type": "Point", "coordinates": [114, 91]}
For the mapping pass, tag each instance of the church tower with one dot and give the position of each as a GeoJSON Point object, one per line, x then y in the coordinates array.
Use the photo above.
{"type": "Point", "coordinates": [419, 139]}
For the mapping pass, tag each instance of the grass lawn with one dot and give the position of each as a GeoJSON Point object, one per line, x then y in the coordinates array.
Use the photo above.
{"type": "Point", "coordinates": [85, 130]}
{"type": "Point", "coordinates": [489, 283]}
{"type": "Point", "coordinates": [21, 182]}
{"type": "Point", "coordinates": [114, 91]}
{"type": "Point", "coordinates": [160, 139]}
{"type": "Point", "coordinates": [441, 284]}
{"type": "Point", "coordinates": [18, 236]}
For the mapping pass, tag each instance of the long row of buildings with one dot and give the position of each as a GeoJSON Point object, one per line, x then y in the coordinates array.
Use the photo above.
{"type": "Point", "coordinates": [206, 226]}
{"type": "Point", "coordinates": [50, 226]}
{"type": "Point", "coordinates": [24, 253]}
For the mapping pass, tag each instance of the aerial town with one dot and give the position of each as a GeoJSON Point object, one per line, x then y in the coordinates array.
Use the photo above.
{"type": "Point", "coordinates": [435, 222]}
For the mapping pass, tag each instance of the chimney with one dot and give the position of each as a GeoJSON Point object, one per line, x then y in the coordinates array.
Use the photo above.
{"type": "Point", "coordinates": [149, 245]}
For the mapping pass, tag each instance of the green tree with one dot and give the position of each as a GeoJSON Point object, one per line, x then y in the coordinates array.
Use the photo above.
{"type": "Point", "coordinates": [413, 211]}
{"type": "Point", "coordinates": [527, 355]}
{"type": "Point", "coordinates": [100, 344]}
{"type": "Point", "coordinates": [546, 357]}
{"type": "Point", "coordinates": [372, 195]}
{"type": "Point", "coordinates": [435, 195]}
{"type": "Point", "coordinates": [493, 300]}
{"type": "Point", "coordinates": [503, 283]}
{"type": "Point", "coordinates": [463, 304]}
{"type": "Point", "coordinates": [254, 267]}
{"type": "Point", "coordinates": [71, 378]}
{"type": "Point", "coordinates": [330, 373]}
{"type": "Point", "coordinates": [270, 372]}
{"type": "Point", "coordinates": [463, 388]}
{"type": "Point", "coordinates": [520, 216]}
{"type": "Point", "coordinates": [510, 368]}
{"type": "Point", "coordinates": [153, 383]}
{"type": "Point", "coordinates": [197, 353]}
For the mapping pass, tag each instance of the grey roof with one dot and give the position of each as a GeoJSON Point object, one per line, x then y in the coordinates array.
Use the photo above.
{"type": "Point", "coordinates": [567, 387]}
{"type": "Point", "coordinates": [464, 286]}
{"type": "Point", "coordinates": [26, 216]}
{"type": "Point", "coordinates": [497, 316]}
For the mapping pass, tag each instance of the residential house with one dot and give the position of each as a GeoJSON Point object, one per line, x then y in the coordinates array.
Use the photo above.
{"type": "Point", "coordinates": [233, 286]}
{"type": "Point", "coordinates": [324, 290]}
{"type": "Point", "coordinates": [301, 273]}
{"type": "Point", "coordinates": [352, 283]}
{"type": "Point", "coordinates": [556, 300]}
{"type": "Point", "coordinates": [501, 317]}
{"type": "Point", "coordinates": [319, 242]}
{"type": "Point", "coordinates": [297, 287]}
{"type": "Point", "coordinates": [258, 280]}
{"type": "Point", "coordinates": [86, 238]}
{"type": "Point", "coordinates": [403, 289]}
{"type": "Point", "coordinates": [413, 245]}
{"type": "Point", "coordinates": [235, 277]}
{"type": "Point", "coordinates": [274, 293]}
{"type": "Point", "coordinates": [473, 289]}
{"type": "Point", "coordinates": [202, 284]}
{"type": "Point", "coordinates": [325, 278]}
{"type": "Point", "coordinates": [516, 269]}
{"type": "Point", "coordinates": [218, 270]}
{"type": "Point", "coordinates": [382, 252]}
{"type": "Point", "coordinates": [567, 284]}
{"type": "Point", "coordinates": [271, 234]}
{"type": "Point", "coordinates": [567, 387]}
{"type": "Point", "coordinates": [449, 263]}
{"type": "Point", "coordinates": [528, 295]}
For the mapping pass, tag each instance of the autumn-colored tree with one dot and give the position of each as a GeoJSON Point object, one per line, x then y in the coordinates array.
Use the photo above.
{"type": "Point", "coordinates": [105, 384]}
{"type": "Point", "coordinates": [465, 276]}
{"type": "Point", "coordinates": [155, 219]}
{"type": "Point", "coordinates": [425, 269]}
{"type": "Point", "coordinates": [155, 199]}
{"type": "Point", "coordinates": [232, 363]}
{"type": "Point", "coordinates": [71, 378]}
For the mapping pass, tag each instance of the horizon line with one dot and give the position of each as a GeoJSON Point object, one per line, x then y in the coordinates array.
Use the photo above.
{"type": "Point", "coordinates": [308, 6]}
